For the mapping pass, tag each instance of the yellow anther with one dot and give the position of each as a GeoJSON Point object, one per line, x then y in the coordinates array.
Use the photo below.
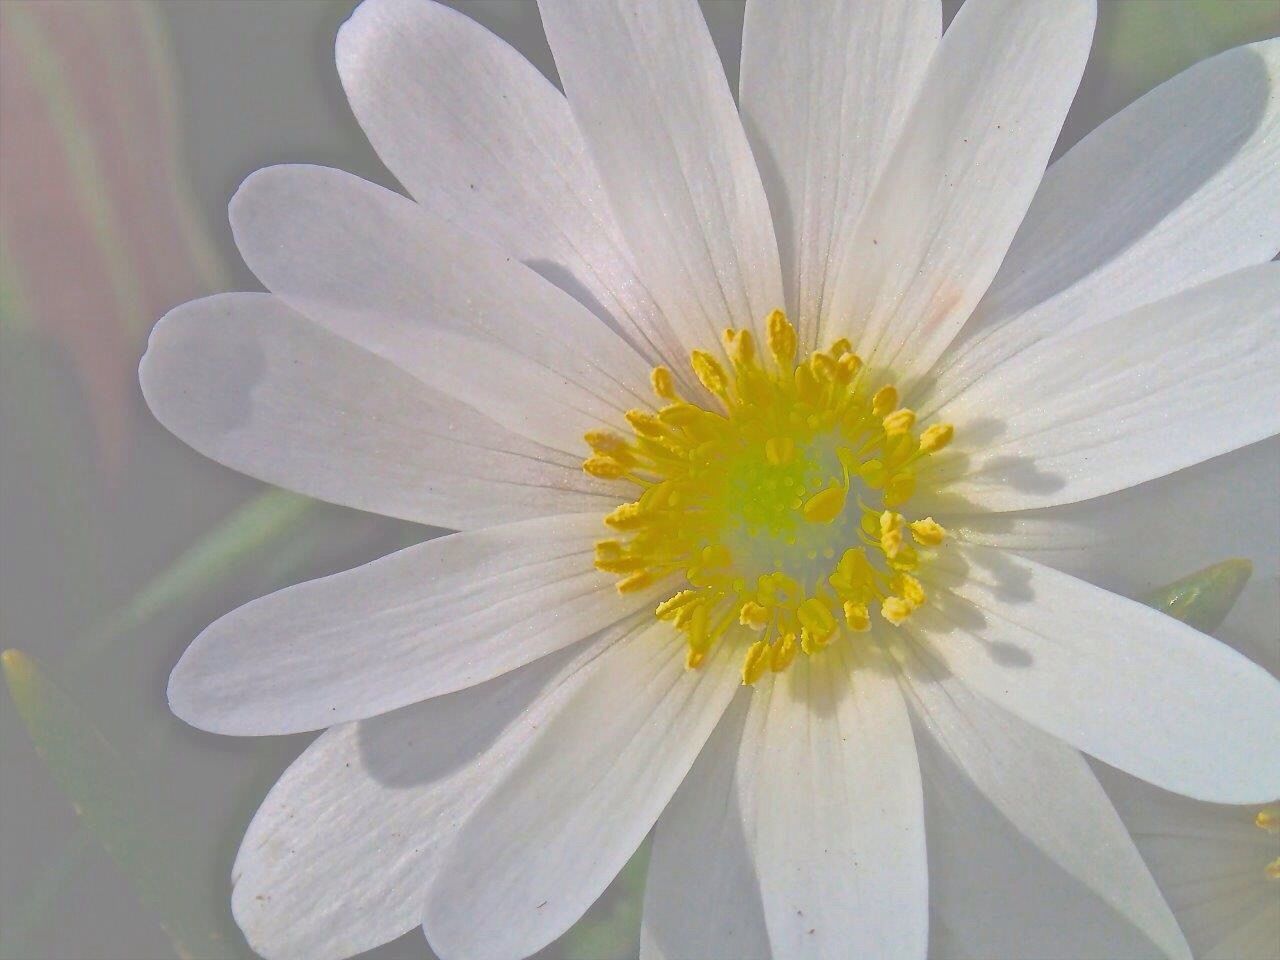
{"type": "Point", "coordinates": [850, 364]}
{"type": "Point", "coordinates": [645, 423]}
{"type": "Point", "coordinates": [779, 450]}
{"type": "Point", "coordinates": [936, 437]}
{"type": "Point", "coordinates": [1272, 869]}
{"type": "Point", "coordinates": [885, 400]}
{"type": "Point", "coordinates": [890, 533]}
{"type": "Point", "coordinates": [698, 626]}
{"type": "Point", "coordinates": [693, 659]}
{"type": "Point", "coordinates": [825, 368]}
{"type": "Point", "coordinates": [856, 616]}
{"type": "Point", "coordinates": [899, 489]}
{"type": "Point", "coordinates": [680, 414]}
{"type": "Point", "coordinates": [817, 619]}
{"type": "Point", "coordinates": [663, 383]}
{"type": "Point", "coordinates": [909, 588]}
{"type": "Point", "coordinates": [899, 422]}
{"type": "Point", "coordinates": [628, 516]}
{"type": "Point", "coordinates": [895, 610]}
{"type": "Point", "coordinates": [671, 606]}
{"type": "Point", "coordinates": [753, 616]}
{"type": "Point", "coordinates": [906, 559]}
{"type": "Point", "coordinates": [840, 348]}
{"type": "Point", "coordinates": [853, 575]}
{"type": "Point", "coordinates": [634, 582]}
{"type": "Point", "coordinates": [606, 443]}
{"type": "Point", "coordinates": [784, 653]}
{"type": "Point", "coordinates": [608, 549]}
{"type": "Point", "coordinates": [740, 346]}
{"type": "Point", "coordinates": [710, 373]}
{"type": "Point", "coordinates": [755, 663]}
{"type": "Point", "coordinates": [826, 505]}
{"type": "Point", "coordinates": [808, 389]}
{"type": "Point", "coordinates": [873, 474]}
{"type": "Point", "coordinates": [1268, 819]}
{"type": "Point", "coordinates": [782, 338]}
{"type": "Point", "coordinates": [604, 467]}
{"type": "Point", "coordinates": [927, 532]}
{"type": "Point", "coordinates": [810, 642]}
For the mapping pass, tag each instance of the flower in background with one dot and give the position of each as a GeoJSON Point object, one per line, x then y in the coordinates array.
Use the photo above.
{"type": "Point", "coordinates": [96, 229]}
{"type": "Point", "coordinates": [739, 499]}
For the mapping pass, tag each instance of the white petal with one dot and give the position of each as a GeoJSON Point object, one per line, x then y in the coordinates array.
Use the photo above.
{"type": "Point", "coordinates": [1209, 860]}
{"type": "Point", "coordinates": [381, 271]}
{"type": "Point", "coordinates": [428, 620]}
{"type": "Point", "coordinates": [1046, 790]}
{"type": "Point", "coordinates": [254, 385]}
{"type": "Point", "coordinates": [652, 101]}
{"type": "Point", "coordinates": [481, 138]}
{"type": "Point", "coordinates": [1131, 399]}
{"type": "Point", "coordinates": [1116, 679]}
{"type": "Point", "coordinates": [825, 89]}
{"type": "Point", "coordinates": [972, 150]}
{"type": "Point", "coordinates": [835, 812]}
{"type": "Point", "coordinates": [608, 754]}
{"type": "Point", "coordinates": [1253, 625]}
{"type": "Point", "coordinates": [339, 856]}
{"type": "Point", "coordinates": [1176, 190]}
{"type": "Point", "coordinates": [1147, 536]}
{"type": "Point", "coordinates": [701, 898]}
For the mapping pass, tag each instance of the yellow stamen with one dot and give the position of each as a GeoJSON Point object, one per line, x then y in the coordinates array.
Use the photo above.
{"type": "Point", "coordinates": [927, 532]}
{"type": "Point", "coordinates": [755, 663]}
{"type": "Point", "coordinates": [1268, 819]}
{"type": "Point", "coordinates": [936, 437]}
{"type": "Point", "coordinates": [1273, 869]}
{"type": "Point", "coordinates": [776, 514]}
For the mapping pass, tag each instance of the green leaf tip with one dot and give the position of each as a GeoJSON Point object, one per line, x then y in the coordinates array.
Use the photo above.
{"type": "Point", "coordinates": [1203, 599]}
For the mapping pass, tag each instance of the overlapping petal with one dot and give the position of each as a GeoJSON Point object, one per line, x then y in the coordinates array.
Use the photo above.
{"type": "Point", "coordinates": [1122, 682]}
{"type": "Point", "coordinates": [254, 385]}
{"type": "Point", "coordinates": [824, 92]}
{"type": "Point", "coordinates": [431, 619]}
{"type": "Point", "coordinates": [454, 311]}
{"type": "Point", "coordinates": [1137, 397]}
{"type": "Point", "coordinates": [970, 155]}
{"type": "Point", "coordinates": [565, 817]}
{"type": "Point", "coordinates": [653, 104]}
{"type": "Point", "coordinates": [1175, 190]}
{"type": "Point", "coordinates": [482, 139]}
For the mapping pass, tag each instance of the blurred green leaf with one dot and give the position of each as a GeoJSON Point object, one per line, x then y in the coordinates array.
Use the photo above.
{"type": "Point", "coordinates": [145, 842]}
{"type": "Point", "coordinates": [1204, 598]}
{"type": "Point", "coordinates": [612, 928]}
{"type": "Point", "coordinates": [212, 558]}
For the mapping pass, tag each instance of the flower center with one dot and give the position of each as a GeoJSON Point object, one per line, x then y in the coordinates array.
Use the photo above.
{"type": "Point", "coordinates": [779, 501]}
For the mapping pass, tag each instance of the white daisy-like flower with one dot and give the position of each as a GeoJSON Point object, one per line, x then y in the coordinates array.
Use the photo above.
{"type": "Point", "coordinates": [745, 515]}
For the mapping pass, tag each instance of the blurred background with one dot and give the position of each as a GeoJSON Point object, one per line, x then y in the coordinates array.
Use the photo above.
{"type": "Point", "coordinates": [125, 125]}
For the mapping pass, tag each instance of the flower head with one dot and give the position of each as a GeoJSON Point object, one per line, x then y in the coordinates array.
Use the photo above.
{"type": "Point", "coordinates": [744, 515]}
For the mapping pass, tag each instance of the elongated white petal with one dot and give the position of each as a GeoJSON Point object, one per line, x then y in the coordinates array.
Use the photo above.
{"type": "Point", "coordinates": [651, 98]}
{"type": "Point", "coordinates": [254, 385]}
{"type": "Point", "coordinates": [1210, 860]}
{"type": "Point", "coordinates": [1116, 679]}
{"type": "Point", "coordinates": [431, 619]}
{"type": "Point", "coordinates": [972, 749]}
{"type": "Point", "coordinates": [701, 898]}
{"type": "Point", "coordinates": [339, 856]}
{"type": "Point", "coordinates": [1126, 541]}
{"type": "Point", "coordinates": [607, 756]}
{"type": "Point", "coordinates": [457, 313]}
{"type": "Point", "coordinates": [1176, 190]}
{"type": "Point", "coordinates": [835, 817]}
{"type": "Point", "coordinates": [825, 89]}
{"type": "Point", "coordinates": [972, 150]}
{"type": "Point", "coordinates": [1134, 398]}
{"type": "Point", "coordinates": [481, 138]}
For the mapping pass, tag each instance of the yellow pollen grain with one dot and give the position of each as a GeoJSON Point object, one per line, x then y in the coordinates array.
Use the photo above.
{"type": "Point", "coordinates": [1268, 819]}
{"type": "Point", "coordinates": [1272, 869]}
{"type": "Point", "coordinates": [776, 519]}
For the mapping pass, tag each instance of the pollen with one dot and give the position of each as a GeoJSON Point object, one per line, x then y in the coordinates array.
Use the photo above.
{"type": "Point", "coordinates": [774, 502]}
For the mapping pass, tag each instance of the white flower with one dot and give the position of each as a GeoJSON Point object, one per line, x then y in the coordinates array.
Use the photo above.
{"type": "Point", "coordinates": [522, 725]}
